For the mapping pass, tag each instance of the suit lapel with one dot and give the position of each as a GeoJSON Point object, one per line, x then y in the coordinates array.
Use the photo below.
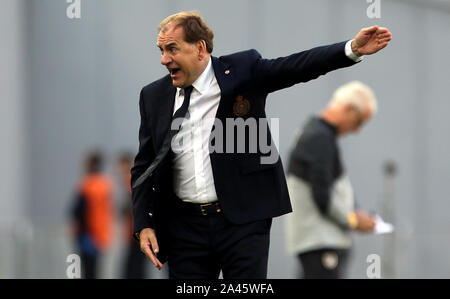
{"type": "Point", "coordinates": [224, 75]}
{"type": "Point", "coordinates": [164, 113]}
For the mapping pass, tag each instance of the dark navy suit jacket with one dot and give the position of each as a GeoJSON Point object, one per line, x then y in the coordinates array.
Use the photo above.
{"type": "Point", "coordinates": [246, 189]}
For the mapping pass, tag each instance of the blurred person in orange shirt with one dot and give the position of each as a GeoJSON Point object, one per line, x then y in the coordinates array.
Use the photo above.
{"type": "Point", "coordinates": [92, 214]}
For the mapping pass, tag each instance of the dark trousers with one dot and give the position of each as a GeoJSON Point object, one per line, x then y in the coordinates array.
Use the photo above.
{"type": "Point", "coordinates": [89, 266]}
{"type": "Point", "coordinates": [135, 262]}
{"type": "Point", "coordinates": [199, 247]}
{"type": "Point", "coordinates": [324, 263]}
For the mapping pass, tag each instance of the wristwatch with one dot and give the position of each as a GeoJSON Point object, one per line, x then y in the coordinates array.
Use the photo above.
{"type": "Point", "coordinates": [352, 220]}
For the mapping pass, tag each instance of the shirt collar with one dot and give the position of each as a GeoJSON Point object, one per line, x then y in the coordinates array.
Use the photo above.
{"type": "Point", "coordinates": [332, 127]}
{"type": "Point", "coordinates": [204, 80]}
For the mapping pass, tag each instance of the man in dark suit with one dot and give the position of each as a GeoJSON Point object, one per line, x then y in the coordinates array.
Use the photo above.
{"type": "Point", "coordinates": [204, 200]}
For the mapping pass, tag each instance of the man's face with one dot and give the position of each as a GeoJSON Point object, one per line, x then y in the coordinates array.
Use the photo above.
{"type": "Point", "coordinates": [180, 57]}
{"type": "Point", "coordinates": [354, 119]}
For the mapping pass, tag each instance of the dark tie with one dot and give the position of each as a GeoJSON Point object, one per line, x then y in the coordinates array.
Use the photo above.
{"type": "Point", "coordinates": [181, 112]}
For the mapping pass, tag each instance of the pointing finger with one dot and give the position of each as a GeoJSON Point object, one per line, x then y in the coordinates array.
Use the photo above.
{"type": "Point", "coordinates": [146, 249]}
{"type": "Point", "coordinates": [154, 244]}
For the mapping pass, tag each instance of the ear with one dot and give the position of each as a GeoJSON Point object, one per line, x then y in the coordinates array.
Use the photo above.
{"type": "Point", "coordinates": [201, 48]}
{"type": "Point", "coordinates": [348, 107]}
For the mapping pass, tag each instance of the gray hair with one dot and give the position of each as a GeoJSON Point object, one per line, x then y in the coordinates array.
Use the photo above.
{"type": "Point", "coordinates": [357, 94]}
{"type": "Point", "coordinates": [194, 26]}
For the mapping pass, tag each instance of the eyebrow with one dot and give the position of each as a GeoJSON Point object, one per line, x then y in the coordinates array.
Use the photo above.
{"type": "Point", "coordinates": [172, 44]}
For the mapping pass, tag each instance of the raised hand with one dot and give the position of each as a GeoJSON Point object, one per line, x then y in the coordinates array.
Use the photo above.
{"type": "Point", "coordinates": [371, 40]}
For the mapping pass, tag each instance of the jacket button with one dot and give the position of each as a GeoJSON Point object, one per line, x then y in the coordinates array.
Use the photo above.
{"type": "Point", "coordinates": [153, 188]}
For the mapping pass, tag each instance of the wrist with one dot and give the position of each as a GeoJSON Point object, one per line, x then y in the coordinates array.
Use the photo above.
{"type": "Point", "coordinates": [138, 234]}
{"type": "Point", "coordinates": [352, 220]}
{"type": "Point", "coordinates": [355, 49]}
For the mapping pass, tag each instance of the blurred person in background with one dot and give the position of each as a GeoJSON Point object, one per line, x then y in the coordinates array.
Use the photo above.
{"type": "Point", "coordinates": [134, 262]}
{"type": "Point", "coordinates": [324, 213]}
{"type": "Point", "coordinates": [92, 214]}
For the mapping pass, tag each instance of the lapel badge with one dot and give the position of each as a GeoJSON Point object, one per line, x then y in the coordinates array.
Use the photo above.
{"type": "Point", "coordinates": [241, 107]}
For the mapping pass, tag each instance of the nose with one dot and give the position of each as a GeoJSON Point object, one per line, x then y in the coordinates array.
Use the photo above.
{"type": "Point", "coordinates": [165, 59]}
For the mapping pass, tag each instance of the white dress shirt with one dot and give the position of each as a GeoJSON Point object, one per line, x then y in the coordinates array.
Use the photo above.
{"type": "Point", "coordinates": [193, 177]}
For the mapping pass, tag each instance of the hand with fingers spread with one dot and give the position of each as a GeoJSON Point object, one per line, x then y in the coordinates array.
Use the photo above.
{"type": "Point", "coordinates": [149, 246]}
{"type": "Point", "coordinates": [371, 40]}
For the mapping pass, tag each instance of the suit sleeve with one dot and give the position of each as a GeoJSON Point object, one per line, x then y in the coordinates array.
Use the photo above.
{"type": "Point", "coordinates": [320, 172]}
{"type": "Point", "coordinates": [279, 73]}
{"type": "Point", "coordinates": [321, 179]}
{"type": "Point", "coordinates": [141, 197]}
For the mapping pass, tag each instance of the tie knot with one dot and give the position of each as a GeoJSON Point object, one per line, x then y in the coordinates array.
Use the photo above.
{"type": "Point", "coordinates": [188, 90]}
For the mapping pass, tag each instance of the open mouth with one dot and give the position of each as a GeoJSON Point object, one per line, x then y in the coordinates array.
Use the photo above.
{"type": "Point", "coordinates": [174, 72]}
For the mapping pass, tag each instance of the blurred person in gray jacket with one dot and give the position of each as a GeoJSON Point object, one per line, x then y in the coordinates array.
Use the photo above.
{"type": "Point", "coordinates": [324, 210]}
